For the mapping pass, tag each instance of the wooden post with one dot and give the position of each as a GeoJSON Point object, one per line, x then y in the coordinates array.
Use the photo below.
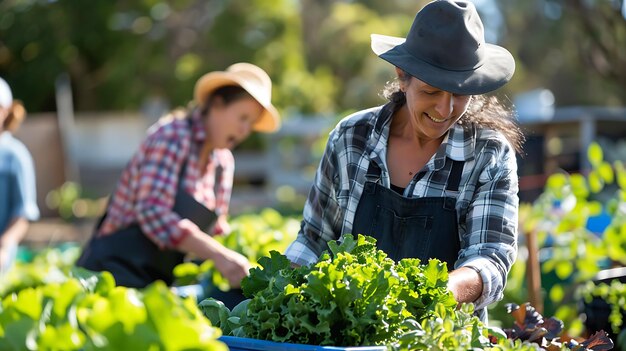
{"type": "Point", "coordinates": [533, 272]}
{"type": "Point", "coordinates": [65, 115]}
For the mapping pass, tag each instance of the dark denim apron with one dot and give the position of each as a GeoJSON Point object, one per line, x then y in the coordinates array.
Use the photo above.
{"type": "Point", "coordinates": [410, 227]}
{"type": "Point", "coordinates": [134, 259]}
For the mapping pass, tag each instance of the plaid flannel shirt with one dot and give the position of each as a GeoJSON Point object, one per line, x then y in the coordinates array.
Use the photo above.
{"type": "Point", "coordinates": [147, 188]}
{"type": "Point", "coordinates": [487, 201]}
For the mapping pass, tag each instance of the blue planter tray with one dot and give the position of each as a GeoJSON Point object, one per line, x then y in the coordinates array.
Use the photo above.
{"type": "Point", "coordinates": [246, 344]}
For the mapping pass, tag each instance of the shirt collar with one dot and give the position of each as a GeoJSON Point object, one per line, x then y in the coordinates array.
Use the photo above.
{"type": "Point", "coordinates": [458, 144]}
{"type": "Point", "coordinates": [377, 140]}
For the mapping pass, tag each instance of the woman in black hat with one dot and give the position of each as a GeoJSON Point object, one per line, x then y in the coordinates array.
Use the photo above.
{"type": "Point", "coordinates": [431, 174]}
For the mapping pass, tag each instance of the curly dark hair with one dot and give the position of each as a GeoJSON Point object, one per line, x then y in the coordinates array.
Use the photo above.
{"type": "Point", "coordinates": [484, 111]}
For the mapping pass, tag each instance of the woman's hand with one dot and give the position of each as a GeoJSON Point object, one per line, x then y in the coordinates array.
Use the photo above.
{"type": "Point", "coordinates": [233, 266]}
{"type": "Point", "coordinates": [466, 284]}
{"type": "Point", "coordinates": [7, 255]}
{"type": "Point", "coordinates": [221, 226]}
{"type": "Point", "coordinates": [9, 241]}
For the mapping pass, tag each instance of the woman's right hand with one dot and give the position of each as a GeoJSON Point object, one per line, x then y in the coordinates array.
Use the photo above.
{"type": "Point", "coordinates": [233, 266]}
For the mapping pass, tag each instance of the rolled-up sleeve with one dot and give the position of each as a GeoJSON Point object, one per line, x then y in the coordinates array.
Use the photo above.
{"type": "Point", "coordinates": [322, 215]}
{"type": "Point", "coordinates": [489, 244]}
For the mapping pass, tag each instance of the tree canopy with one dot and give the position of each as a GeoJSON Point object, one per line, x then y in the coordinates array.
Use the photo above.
{"type": "Point", "coordinates": [120, 54]}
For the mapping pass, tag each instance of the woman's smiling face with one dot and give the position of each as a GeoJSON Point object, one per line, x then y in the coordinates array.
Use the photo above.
{"type": "Point", "coordinates": [432, 111]}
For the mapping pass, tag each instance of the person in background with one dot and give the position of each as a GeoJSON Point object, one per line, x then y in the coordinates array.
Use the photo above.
{"type": "Point", "coordinates": [432, 173]}
{"type": "Point", "coordinates": [174, 194]}
{"type": "Point", "coordinates": [18, 197]}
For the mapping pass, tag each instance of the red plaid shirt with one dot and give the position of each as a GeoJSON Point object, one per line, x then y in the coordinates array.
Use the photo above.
{"type": "Point", "coordinates": [147, 187]}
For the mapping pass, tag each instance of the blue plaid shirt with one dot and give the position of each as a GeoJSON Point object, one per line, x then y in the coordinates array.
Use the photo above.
{"type": "Point", "coordinates": [487, 201]}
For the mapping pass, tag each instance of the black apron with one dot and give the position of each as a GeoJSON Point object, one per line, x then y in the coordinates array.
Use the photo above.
{"type": "Point", "coordinates": [133, 258]}
{"type": "Point", "coordinates": [410, 227]}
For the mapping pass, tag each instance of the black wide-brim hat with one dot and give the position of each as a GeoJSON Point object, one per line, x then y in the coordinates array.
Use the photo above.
{"type": "Point", "coordinates": [446, 48]}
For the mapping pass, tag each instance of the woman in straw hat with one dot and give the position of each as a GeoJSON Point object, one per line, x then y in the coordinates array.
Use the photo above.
{"type": "Point", "coordinates": [431, 174]}
{"type": "Point", "coordinates": [18, 203]}
{"type": "Point", "coordinates": [174, 194]}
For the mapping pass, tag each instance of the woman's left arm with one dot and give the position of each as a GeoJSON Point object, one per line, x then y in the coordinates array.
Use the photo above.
{"type": "Point", "coordinates": [10, 240]}
{"type": "Point", "coordinates": [489, 244]}
{"type": "Point", "coordinates": [24, 199]}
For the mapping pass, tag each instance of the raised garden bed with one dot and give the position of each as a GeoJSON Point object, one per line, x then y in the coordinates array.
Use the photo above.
{"type": "Point", "coordinates": [247, 344]}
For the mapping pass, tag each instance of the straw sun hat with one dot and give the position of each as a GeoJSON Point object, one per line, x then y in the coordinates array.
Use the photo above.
{"type": "Point", "coordinates": [252, 79]}
{"type": "Point", "coordinates": [446, 48]}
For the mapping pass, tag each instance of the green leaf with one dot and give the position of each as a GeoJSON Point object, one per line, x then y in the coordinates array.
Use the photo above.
{"type": "Point", "coordinates": [436, 273]}
{"type": "Point", "coordinates": [556, 183]}
{"type": "Point", "coordinates": [346, 245]}
{"type": "Point", "coordinates": [236, 315]}
{"type": "Point", "coordinates": [127, 307]}
{"type": "Point", "coordinates": [29, 302]}
{"type": "Point", "coordinates": [579, 186]}
{"type": "Point", "coordinates": [63, 295]}
{"type": "Point", "coordinates": [63, 337]}
{"type": "Point", "coordinates": [556, 293]}
{"type": "Point", "coordinates": [594, 153]}
{"type": "Point", "coordinates": [595, 208]}
{"type": "Point", "coordinates": [595, 182]}
{"type": "Point", "coordinates": [177, 322]}
{"type": "Point", "coordinates": [268, 275]}
{"type": "Point", "coordinates": [564, 269]}
{"type": "Point", "coordinates": [215, 311]}
{"type": "Point", "coordinates": [186, 273]}
{"type": "Point", "coordinates": [100, 282]}
{"type": "Point", "coordinates": [17, 331]}
{"type": "Point", "coordinates": [272, 217]}
{"type": "Point", "coordinates": [606, 172]}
